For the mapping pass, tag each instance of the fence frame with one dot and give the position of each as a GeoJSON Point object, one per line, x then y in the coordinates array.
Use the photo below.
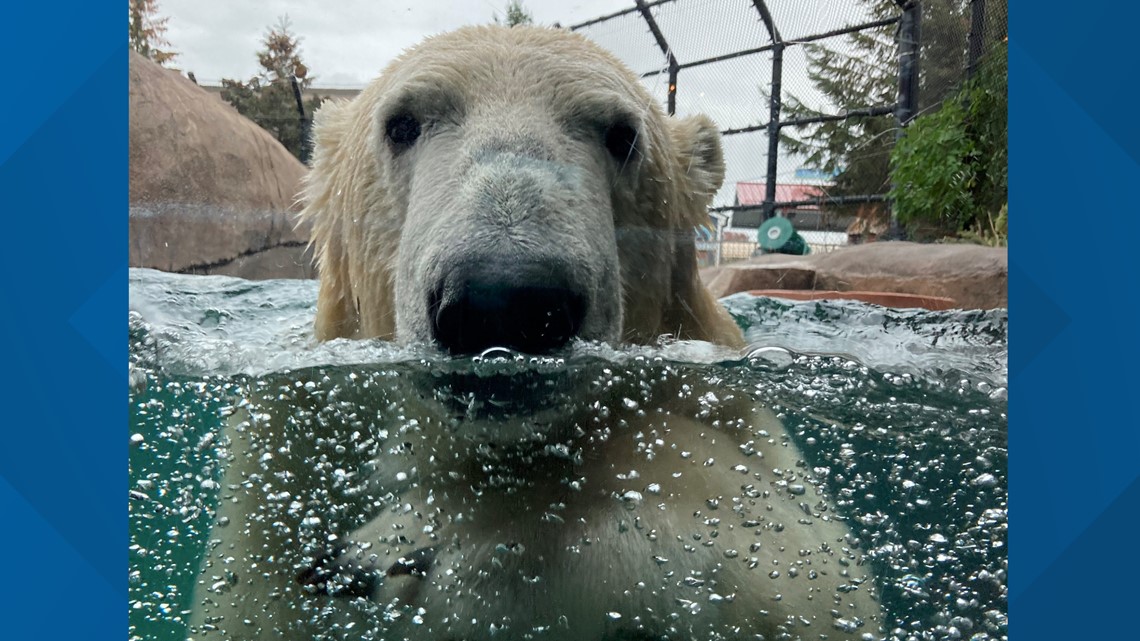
{"type": "Point", "coordinates": [905, 108]}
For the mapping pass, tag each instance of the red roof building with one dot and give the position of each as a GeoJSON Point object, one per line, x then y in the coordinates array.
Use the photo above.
{"type": "Point", "coordinates": [751, 193]}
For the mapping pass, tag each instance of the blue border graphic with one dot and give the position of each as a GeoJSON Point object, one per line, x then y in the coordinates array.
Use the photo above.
{"type": "Point", "coordinates": [63, 472]}
{"type": "Point", "coordinates": [1075, 447]}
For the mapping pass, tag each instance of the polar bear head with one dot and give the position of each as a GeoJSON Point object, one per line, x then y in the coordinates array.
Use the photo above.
{"type": "Point", "coordinates": [511, 187]}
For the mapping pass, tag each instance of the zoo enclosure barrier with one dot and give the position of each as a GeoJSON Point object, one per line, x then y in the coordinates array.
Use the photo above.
{"type": "Point", "coordinates": [753, 66]}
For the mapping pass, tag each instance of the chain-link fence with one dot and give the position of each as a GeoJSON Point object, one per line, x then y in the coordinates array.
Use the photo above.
{"type": "Point", "coordinates": [810, 96]}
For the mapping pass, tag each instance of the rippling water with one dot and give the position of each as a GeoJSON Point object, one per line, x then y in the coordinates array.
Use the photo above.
{"type": "Point", "coordinates": [901, 415]}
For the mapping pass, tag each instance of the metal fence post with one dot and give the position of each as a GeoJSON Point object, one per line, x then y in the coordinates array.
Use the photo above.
{"type": "Point", "coordinates": [775, 106]}
{"type": "Point", "coordinates": [303, 121]}
{"type": "Point", "coordinates": [907, 108]}
{"type": "Point", "coordinates": [977, 35]}
{"type": "Point", "coordinates": [673, 69]}
{"type": "Point", "coordinates": [664, 46]}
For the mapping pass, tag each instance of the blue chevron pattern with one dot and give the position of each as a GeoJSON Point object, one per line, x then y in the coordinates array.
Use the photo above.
{"type": "Point", "coordinates": [1074, 468]}
{"type": "Point", "coordinates": [63, 472]}
{"type": "Point", "coordinates": [1075, 151]}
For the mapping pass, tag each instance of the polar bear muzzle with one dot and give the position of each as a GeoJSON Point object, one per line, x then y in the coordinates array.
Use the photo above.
{"type": "Point", "coordinates": [529, 306]}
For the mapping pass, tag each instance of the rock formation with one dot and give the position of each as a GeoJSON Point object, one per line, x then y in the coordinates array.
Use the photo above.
{"type": "Point", "coordinates": [975, 277]}
{"type": "Point", "coordinates": [210, 191]}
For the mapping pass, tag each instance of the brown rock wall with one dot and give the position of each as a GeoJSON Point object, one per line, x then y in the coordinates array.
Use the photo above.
{"type": "Point", "coordinates": [210, 191]}
{"type": "Point", "coordinates": [975, 277]}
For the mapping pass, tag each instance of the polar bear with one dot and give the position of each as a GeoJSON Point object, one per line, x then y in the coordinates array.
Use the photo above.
{"type": "Point", "coordinates": [527, 162]}
{"type": "Point", "coordinates": [518, 188]}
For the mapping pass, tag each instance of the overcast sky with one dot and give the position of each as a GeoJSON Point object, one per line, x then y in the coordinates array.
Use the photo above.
{"type": "Point", "coordinates": [345, 43]}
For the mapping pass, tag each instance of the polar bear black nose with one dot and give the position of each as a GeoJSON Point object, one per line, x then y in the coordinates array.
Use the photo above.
{"type": "Point", "coordinates": [524, 308]}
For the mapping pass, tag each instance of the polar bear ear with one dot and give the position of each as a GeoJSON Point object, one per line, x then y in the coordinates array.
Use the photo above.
{"type": "Point", "coordinates": [692, 313]}
{"type": "Point", "coordinates": [700, 159]}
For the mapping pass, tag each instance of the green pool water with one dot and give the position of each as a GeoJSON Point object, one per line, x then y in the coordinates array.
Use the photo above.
{"type": "Point", "coordinates": [902, 414]}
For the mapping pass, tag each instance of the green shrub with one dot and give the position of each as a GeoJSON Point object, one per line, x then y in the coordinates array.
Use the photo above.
{"type": "Point", "coordinates": [950, 169]}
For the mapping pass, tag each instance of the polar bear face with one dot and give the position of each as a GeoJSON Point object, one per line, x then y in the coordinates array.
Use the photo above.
{"type": "Point", "coordinates": [511, 187]}
{"type": "Point", "coordinates": [510, 193]}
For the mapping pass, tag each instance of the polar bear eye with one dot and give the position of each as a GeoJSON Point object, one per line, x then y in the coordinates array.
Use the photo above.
{"type": "Point", "coordinates": [621, 141]}
{"type": "Point", "coordinates": [403, 130]}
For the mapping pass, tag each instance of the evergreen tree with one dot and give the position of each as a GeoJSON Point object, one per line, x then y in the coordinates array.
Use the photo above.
{"type": "Point", "coordinates": [281, 58]}
{"type": "Point", "coordinates": [516, 15]}
{"type": "Point", "coordinates": [268, 98]}
{"type": "Point", "coordinates": [864, 73]}
{"type": "Point", "coordinates": [148, 31]}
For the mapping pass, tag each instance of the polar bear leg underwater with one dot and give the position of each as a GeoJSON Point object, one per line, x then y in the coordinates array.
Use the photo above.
{"type": "Point", "coordinates": [518, 187]}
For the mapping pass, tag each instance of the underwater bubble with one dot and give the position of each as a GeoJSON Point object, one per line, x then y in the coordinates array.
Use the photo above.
{"type": "Point", "coordinates": [495, 353]}
{"type": "Point", "coordinates": [692, 607]}
{"type": "Point", "coordinates": [985, 480]}
{"type": "Point", "coordinates": [771, 357]}
{"type": "Point", "coordinates": [631, 496]}
{"type": "Point", "coordinates": [510, 548]}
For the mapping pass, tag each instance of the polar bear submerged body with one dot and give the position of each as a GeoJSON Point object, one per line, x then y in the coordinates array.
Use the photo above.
{"type": "Point", "coordinates": [518, 188]}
